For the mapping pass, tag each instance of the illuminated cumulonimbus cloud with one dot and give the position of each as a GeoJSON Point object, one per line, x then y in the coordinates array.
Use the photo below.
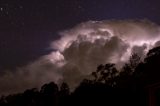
{"type": "Point", "coordinates": [89, 44]}
{"type": "Point", "coordinates": [81, 49]}
{"type": "Point", "coordinates": [130, 33]}
{"type": "Point", "coordinates": [104, 41]}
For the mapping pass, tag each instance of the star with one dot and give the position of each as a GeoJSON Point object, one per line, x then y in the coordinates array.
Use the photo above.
{"type": "Point", "coordinates": [21, 7]}
{"type": "Point", "coordinates": [80, 7]}
{"type": "Point", "coordinates": [1, 9]}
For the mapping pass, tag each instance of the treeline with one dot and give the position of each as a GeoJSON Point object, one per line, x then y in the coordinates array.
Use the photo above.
{"type": "Point", "coordinates": [108, 86]}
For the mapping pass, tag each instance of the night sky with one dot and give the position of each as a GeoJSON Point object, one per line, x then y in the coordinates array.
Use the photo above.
{"type": "Point", "coordinates": [28, 26]}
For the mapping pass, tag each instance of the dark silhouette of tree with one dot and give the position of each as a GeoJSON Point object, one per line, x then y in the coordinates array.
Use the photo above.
{"type": "Point", "coordinates": [105, 74]}
{"type": "Point", "coordinates": [126, 77]}
{"type": "Point", "coordinates": [30, 97]}
{"type": "Point", "coordinates": [3, 101]}
{"type": "Point", "coordinates": [64, 89]}
{"type": "Point", "coordinates": [130, 67]}
{"type": "Point", "coordinates": [109, 86]}
{"type": "Point", "coordinates": [49, 94]}
{"type": "Point", "coordinates": [64, 94]}
{"type": "Point", "coordinates": [89, 93]}
{"type": "Point", "coordinates": [149, 71]}
{"type": "Point", "coordinates": [153, 55]}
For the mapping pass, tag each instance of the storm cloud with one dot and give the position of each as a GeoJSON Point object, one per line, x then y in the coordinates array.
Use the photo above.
{"type": "Point", "coordinates": [81, 49]}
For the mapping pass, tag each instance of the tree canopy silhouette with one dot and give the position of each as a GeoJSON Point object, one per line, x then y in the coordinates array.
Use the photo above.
{"type": "Point", "coordinates": [109, 86]}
